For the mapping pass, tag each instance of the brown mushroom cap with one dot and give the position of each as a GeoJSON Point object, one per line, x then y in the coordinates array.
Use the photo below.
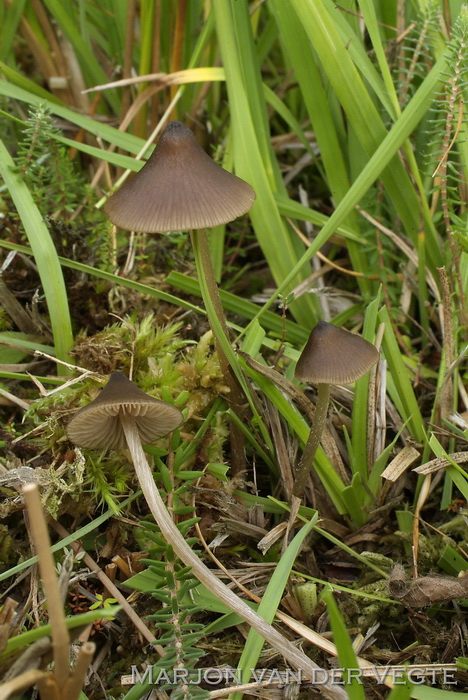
{"type": "Point", "coordinates": [179, 188]}
{"type": "Point", "coordinates": [97, 425]}
{"type": "Point", "coordinates": [335, 356]}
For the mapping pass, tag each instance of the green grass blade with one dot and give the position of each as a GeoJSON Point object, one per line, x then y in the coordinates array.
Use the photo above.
{"type": "Point", "coordinates": [20, 340]}
{"type": "Point", "coordinates": [242, 307]}
{"type": "Point", "coordinates": [359, 53]}
{"type": "Point", "coordinates": [360, 401]}
{"type": "Point", "coordinates": [10, 21]}
{"type": "Point", "coordinates": [83, 620]}
{"type": "Point", "coordinates": [288, 207]}
{"type": "Point", "coordinates": [313, 92]}
{"type": "Point", "coordinates": [252, 158]}
{"type": "Point", "coordinates": [270, 601]}
{"type": "Point", "coordinates": [403, 127]}
{"type": "Point", "coordinates": [45, 256]}
{"type": "Point", "coordinates": [113, 279]}
{"type": "Point", "coordinates": [94, 73]}
{"type": "Point", "coordinates": [427, 693]}
{"type": "Point", "coordinates": [372, 26]}
{"type": "Point", "coordinates": [400, 388]}
{"type": "Point", "coordinates": [226, 346]}
{"type": "Point", "coordinates": [346, 656]}
{"type": "Point", "coordinates": [121, 139]}
{"type": "Point", "coordinates": [23, 83]}
{"type": "Point", "coordinates": [116, 159]}
{"type": "Point", "coordinates": [327, 474]}
{"type": "Point", "coordinates": [401, 692]}
{"type": "Point", "coordinates": [358, 105]}
{"type": "Point", "coordinates": [73, 537]}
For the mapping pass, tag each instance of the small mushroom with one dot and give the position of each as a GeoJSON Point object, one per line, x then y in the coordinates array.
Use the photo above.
{"type": "Point", "coordinates": [121, 407]}
{"type": "Point", "coordinates": [331, 356]}
{"type": "Point", "coordinates": [181, 188]}
{"type": "Point", "coordinates": [123, 415]}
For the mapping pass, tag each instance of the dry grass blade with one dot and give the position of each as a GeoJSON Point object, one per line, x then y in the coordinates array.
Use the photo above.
{"type": "Point", "coordinates": [113, 591]}
{"type": "Point", "coordinates": [434, 465]}
{"type": "Point", "coordinates": [16, 685]}
{"type": "Point", "coordinates": [40, 535]}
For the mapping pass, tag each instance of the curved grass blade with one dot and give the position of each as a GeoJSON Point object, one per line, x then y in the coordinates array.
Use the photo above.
{"type": "Point", "coordinates": [402, 128]}
{"type": "Point", "coordinates": [346, 655]}
{"type": "Point", "coordinates": [270, 601]}
{"type": "Point", "coordinates": [45, 256]}
{"type": "Point", "coordinates": [252, 151]}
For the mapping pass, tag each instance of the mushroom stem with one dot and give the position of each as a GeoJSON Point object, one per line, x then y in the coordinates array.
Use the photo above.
{"type": "Point", "coordinates": [313, 441]}
{"type": "Point", "coordinates": [170, 532]}
{"type": "Point", "coordinates": [201, 245]}
{"type": "Point", "coordinates": [217, 319]}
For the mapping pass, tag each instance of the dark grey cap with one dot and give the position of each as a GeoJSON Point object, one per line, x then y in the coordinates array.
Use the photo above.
{"type": "Point", "coordinates": [335, 356]}
{"type": "Point", "coordinates": [179, 188]}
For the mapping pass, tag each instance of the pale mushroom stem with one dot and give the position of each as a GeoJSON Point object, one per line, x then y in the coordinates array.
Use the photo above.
{"type": "Point", "coordinates": [170, 532]}
{"type": "Point", "coordinates": [313, 441]}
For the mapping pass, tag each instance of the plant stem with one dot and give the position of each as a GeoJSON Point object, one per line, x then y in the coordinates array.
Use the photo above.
{"type": "Point", "coordinates": [76, 681]}
{"type": "Point", "coordinates": [205, 267]}
{"type": "Point", "coordinates": [40, 536]}
{"type": "Point", "coordinates": [313, 441]}
{"type": "Point", "coordinates": [170, 532]}
{"type": "Point", "coordinates": [215, 311]}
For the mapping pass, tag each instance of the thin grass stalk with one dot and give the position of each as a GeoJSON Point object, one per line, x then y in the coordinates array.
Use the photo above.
{"type": "Point", "coordinates": [177, 45]}
{"type": "Point", "coordinates": [128, 56]}
{"type": "Point", "coordinates": [218, 330]}
{"type": "Point", "coordinates": [359, 434]}
{"type": "Point", "coordinates": [346, 655]}
{"type": "Point", "coordinates": [91, 68]}
{"type": "Point", "coordinates": [12, 14]}
{"type": "Point", "coordinates": [403, 394]}
{"type": "Point", "coordinates": [268, 607]}
{"type": "Point", "coordinates": [40, 536]}
{"type": "Point", "coordinates": [156, 63]}
{"type": "Point", "coordinates": [21, 89]}
{"type": "Point", "coordinates": [300, 53]}
{"type": "Point", "coordinates": [358, 105]}
{"type": "Point", "coordinates": [147, 21]}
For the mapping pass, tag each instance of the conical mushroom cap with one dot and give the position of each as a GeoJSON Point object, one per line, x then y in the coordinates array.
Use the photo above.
{"type": "Point", "coordinates": [179, 188]}
{"type": "Point", "coordinates": [335, 356]}
{"type": "Point", "coordinates": [97, 425]}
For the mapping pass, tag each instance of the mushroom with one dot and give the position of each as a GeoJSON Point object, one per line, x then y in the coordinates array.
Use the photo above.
{"type": "Point", "coordinates": [331, 356]}
{"type": "Point", "coordinates": [123, 415]}
{"type": "Point", "coordinates": [122, 409]}
{"type": "Point", "coordinates": [181, 188]}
